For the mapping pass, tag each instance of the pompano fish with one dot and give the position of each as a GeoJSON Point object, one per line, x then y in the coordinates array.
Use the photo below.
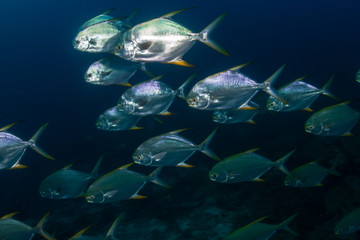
{"type": "Point", "coordinates": [260, 231]}
{"type": "Point", "coordinates": [112, 70]}
{"type": "Point", "coordinates": [308, 175]}
{"type": "Point", "coordinates": [114, 119]}
{"type": "Point", "coordinates": [235, 116]}
{"type": "Point", "coordinates": [350, 223]}
{"type": "Point", "coordinates": [170, 149]}
{"type": "Point", "coordinates": [228, 90]}
{"type": "Point", "coordinates": [13, 148]}
{"type": "Point", "coordinates": [299, 95]}
{"type": "Point", "coordinates": [163, 40]}
{"type": "Point", "coordinates": [67, 183]}
{"type": "Point", "coordinates": [336, 120]}
{"type": "Point", "coordinates": [12, 229]}
{"type": "Point", "coordinates": [150, 97]}
{"type": "Point", "coordinates": [109, 235]}
{"type": "Point", "coordinates": [100, 34]}
{"type": "Point", "coordinates": [244, 167]}
{"type": "Point", "coordinates": [120, 184]}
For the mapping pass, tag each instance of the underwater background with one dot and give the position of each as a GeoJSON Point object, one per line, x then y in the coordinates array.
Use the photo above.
{"type": "Point", "coordinates": [42, 81]}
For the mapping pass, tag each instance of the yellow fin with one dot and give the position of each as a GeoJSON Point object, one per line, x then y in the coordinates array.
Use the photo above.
{"type": "Point", "coordinates": [181, 63]}
{"type": "Point", "coordinates": [124, 84]}
{"type": "Point", "coordinates": [80, 233]}
{"type": "Point", "coordinates": [9, 126]}
{"type": "Point", "coordinates": [136, 128]}
{"type": "Point", "coordinates": [247, 108]}
{"type": "Point", "coordinates": [126, 166]}
{"type": "Point", "coordinates": [139, 197]}
{"type": "Point", "coordinates": [18, 166]}
{"type": "Point", "coordinates": [185, 165]}
{"type": "Point", "coordinates": [308, 109]}
{"type": "Point", "coordinates": [166, 114]}
{"type": "Point", "coordinates": [348, 134]}
{"type": "Point", "coordinates": [169, 15]}
{"type": "Point", "coordinates": [251, 121]}
{"type": "Point", "coordinates": [258, 180]}
{"type": "Point", "coordinates": [10, 215]}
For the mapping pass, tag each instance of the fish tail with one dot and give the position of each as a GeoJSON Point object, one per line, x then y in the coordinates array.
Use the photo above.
{"type": "Point", "coordinates": [181, 90]}
{"type": "Point", "coordinates": [326, 88]}
{"type": "Point", "coordinates": [95, 172]}
{"type": "Point", "coordinates": [268, 85]}
{"type": "Point", "coordinates": [285, 223]}
{"type": "Point", "coordinates": [112, 229]}
{"type": "Point", "coordinates": [280, 163]}
{"type": "Point", "coordinates": [153, 177]}
{"type": "Point", "coordinates": [40, 228]}
{"type": "Point", "coordinates": [204, 146]}
{"type": "Point", "coordinates": [204, 35]}
{"type": "Point", "coordinates": [34, 139]}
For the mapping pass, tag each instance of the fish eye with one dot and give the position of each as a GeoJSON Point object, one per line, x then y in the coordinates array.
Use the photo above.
{"type": "Point", "coordinates": [272, 104]}
{"type": "Point", "coordinates": [215, 175]}
{"type": "Point", "coordinates": [77, 42]}
{"type": "Point", "coordinates": [139, 157]}
{"type": "Point", "coordinates": [89, 75]}
{"type": "Point", "coordinates": [194, 99]}
{"type": "Point", "coordinates": [92, 41]}
{"type": "Point", "coordinates": [119, 47]}
{"type": "Point", "coordinates": [91, 197]}
{"type": "Point", "coordinates": [217, 117]}
{"type": "Point", "coordinates": [122, 104]}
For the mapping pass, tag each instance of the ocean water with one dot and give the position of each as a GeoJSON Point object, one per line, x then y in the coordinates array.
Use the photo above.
{"type": "Point", "coordinates": [42, 81]}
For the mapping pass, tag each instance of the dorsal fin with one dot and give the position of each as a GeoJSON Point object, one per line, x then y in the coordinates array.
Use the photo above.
{"type": "Point", "coordinates": [80, 233]}
{"type": "Point", "coordinates": [9, 126]}
{"type": "Point", "coordinates": [10, 215]}
{"type": "Point", "coordinates": [169, 15]}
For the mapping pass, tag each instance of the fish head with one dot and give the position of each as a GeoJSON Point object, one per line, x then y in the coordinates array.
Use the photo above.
{"type": "Point", "coordinates": [51, 192]}
{"type": "Point", "coordinates": [290, 181]}
{"type": "Point", "coordinates": [314, 127]}
{"type": "Point", "coordinates": [273, 104]}
{"type": "Point", "coordinates": [220, 116]}
{"type": "Point", "coordinates": [85, 43]}
{"type": "Point", "coordinates": [199, 101]}
{"type": "Point", "coordinates": [92, 196]}
{"type": "Point", "coordinates": [125, 47]}
{"type": "Point", "coordinates": [102, 122]}
{"type": "Point", "coordinates": [217, 174]}
{"type": "Point", "coordinates": [95, 73]}
{"type": "Point", "coordinates": [126, 105]}
{"type": "Point", "coordinates": [143, 159]}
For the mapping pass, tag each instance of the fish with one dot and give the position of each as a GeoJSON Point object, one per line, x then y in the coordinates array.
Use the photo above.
{"type": "Point", "coordinates": [67, 183]}
{"type": "Point", "coordinates": [308, 175]}
{"type": "Point", "coordinates": [299, 95]}
{"type": "Point", "coordinates": [114, 119]}
{"type": "Point", "coordinates": [12, 149]}
{"type": "Point", "coordinates": [100, 34]}
{"type": "Point", "coordinates": [12, 229]}
{"type": "Point", "coordinates": [235, 116]}
{"type": "Point", "coordinates": [163, 40]}
{"type": "Point", "coordinates": [350, 223]}
{"type": "Point", "coordinates": [229, 90]}
{"type": "Point", "coordinates": [150, 97]}
{"type": "Point", "coordinates": [245, 167]}
{"type": "Point", "coordinates": [170, 149]}
{"type": "Point", "coordinates": [260, 231]}
{"type": "Point", "coordinates": [113, 70]}
{"type": "Point", "coordinates": [335, 120]}
{"type": "Point", "coordinates": [357, 77]}
{"type": "Point", "coordinates": [109, 235]}
{"type": "Point", "coordinates": [120, 184]}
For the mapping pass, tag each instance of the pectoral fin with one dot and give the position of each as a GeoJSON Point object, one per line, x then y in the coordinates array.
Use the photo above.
{"type": "Point", "coordinates": [181, 62]}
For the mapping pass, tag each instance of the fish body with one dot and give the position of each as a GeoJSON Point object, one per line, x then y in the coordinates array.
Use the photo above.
{"type": "Point", "coordinates": [336, 120]}
{"type": "Point", "coordinates": [244, 167]}
{"type": "Point", "coordinates": [114, 119]}
{"type": "Point", "coordinates": [228, 90]}
{"type": "Point", "coordinates": [161, 40]}
{"type": "Point", "coordinates": [234, 116]}
{"type": "Point", "coordinates": [111, 70]}
{"type": "Point", "coordinates": [170, 149]}
{"type": "Point", "coordinates": [349, 223]}
{"type": "Point", "coordinates": [307, 175]}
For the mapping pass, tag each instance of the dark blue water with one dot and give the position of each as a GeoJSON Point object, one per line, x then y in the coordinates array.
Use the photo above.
{"type": "Point", "coordinates": [42, 81]}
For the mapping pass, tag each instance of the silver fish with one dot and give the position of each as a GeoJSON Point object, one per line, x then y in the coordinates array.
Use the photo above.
{"type": "Point", "coordinates": [112, 70]}
{"type": "Point", "coordinates": [12, 229]}
{"type": "Point", "coordinates": [120, 184]}
{"type": "Point", "coordinates": [114, 119]}
{"type": "Point", "coordinates": [235, 116]}
{"type": "Point", "coordinates": [244, 167]}
{"type": "Point", "coordinates": [336, 120]}
{"type": "Point", "coordinates": [13, 148]}
{"type": "Point", "coordinates": [350, 223]}
{"type": "Point", "coordinates": [109, 235]}
{"type": "Point", "coordinates": [163, 40]}
{"type": "Point", "coordinates": [308, 175]}
{"type": "Point", "coordinates": [67, 183]}
{"type": "Point", "coordinates": [260, 231]}
{"type": "Point", "coordinates": [228, 90]}
{"type": "Point", "coordinates": [150, 97]}
{"type": "Point", "coordinates": [299, 95]}
{"type": "Point", "coordinates": [170, 149]}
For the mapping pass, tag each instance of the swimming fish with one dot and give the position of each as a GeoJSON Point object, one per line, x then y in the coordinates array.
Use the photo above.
{"type": "Point", "coordinates": [120, 184]}
{"type": "Point", "coordinates": [299, 95]}
{"type": "Point", "coordinates": [114, 119]}
{"type": "Point", "coordinates": [235, 116]}
{"type": "Point", "coordinates": [150, 97]}
{"type": "Point", "coordinates": [163, 40]}
{"type": "Point", "coordinates": [13, 148]}
{"type": "Point", "coordinates": [100, 34]}
{"type": "Point", "coordinates": [109, 235]}
{"type": "Point", "coordinates": [308, 175]}
{"type": "Point", "coordinates": [112, 70]}
{"type": "Point", "coordinates": [245, 167]}
{"type": "Point", "coordinates": [336, 120]}
{"type": "Point", "coordinates": [170, 149]}
{"type": "Point", "coordinates": [260, 231]}
{"type": "Point", "coordinates": [229, 90]}
{"type": "Point", "coordinates": [12, 229]}
{"type": "Point", "coordinates": [67, 183]}
{"type": "Point", "coordinates": [349, 223]}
